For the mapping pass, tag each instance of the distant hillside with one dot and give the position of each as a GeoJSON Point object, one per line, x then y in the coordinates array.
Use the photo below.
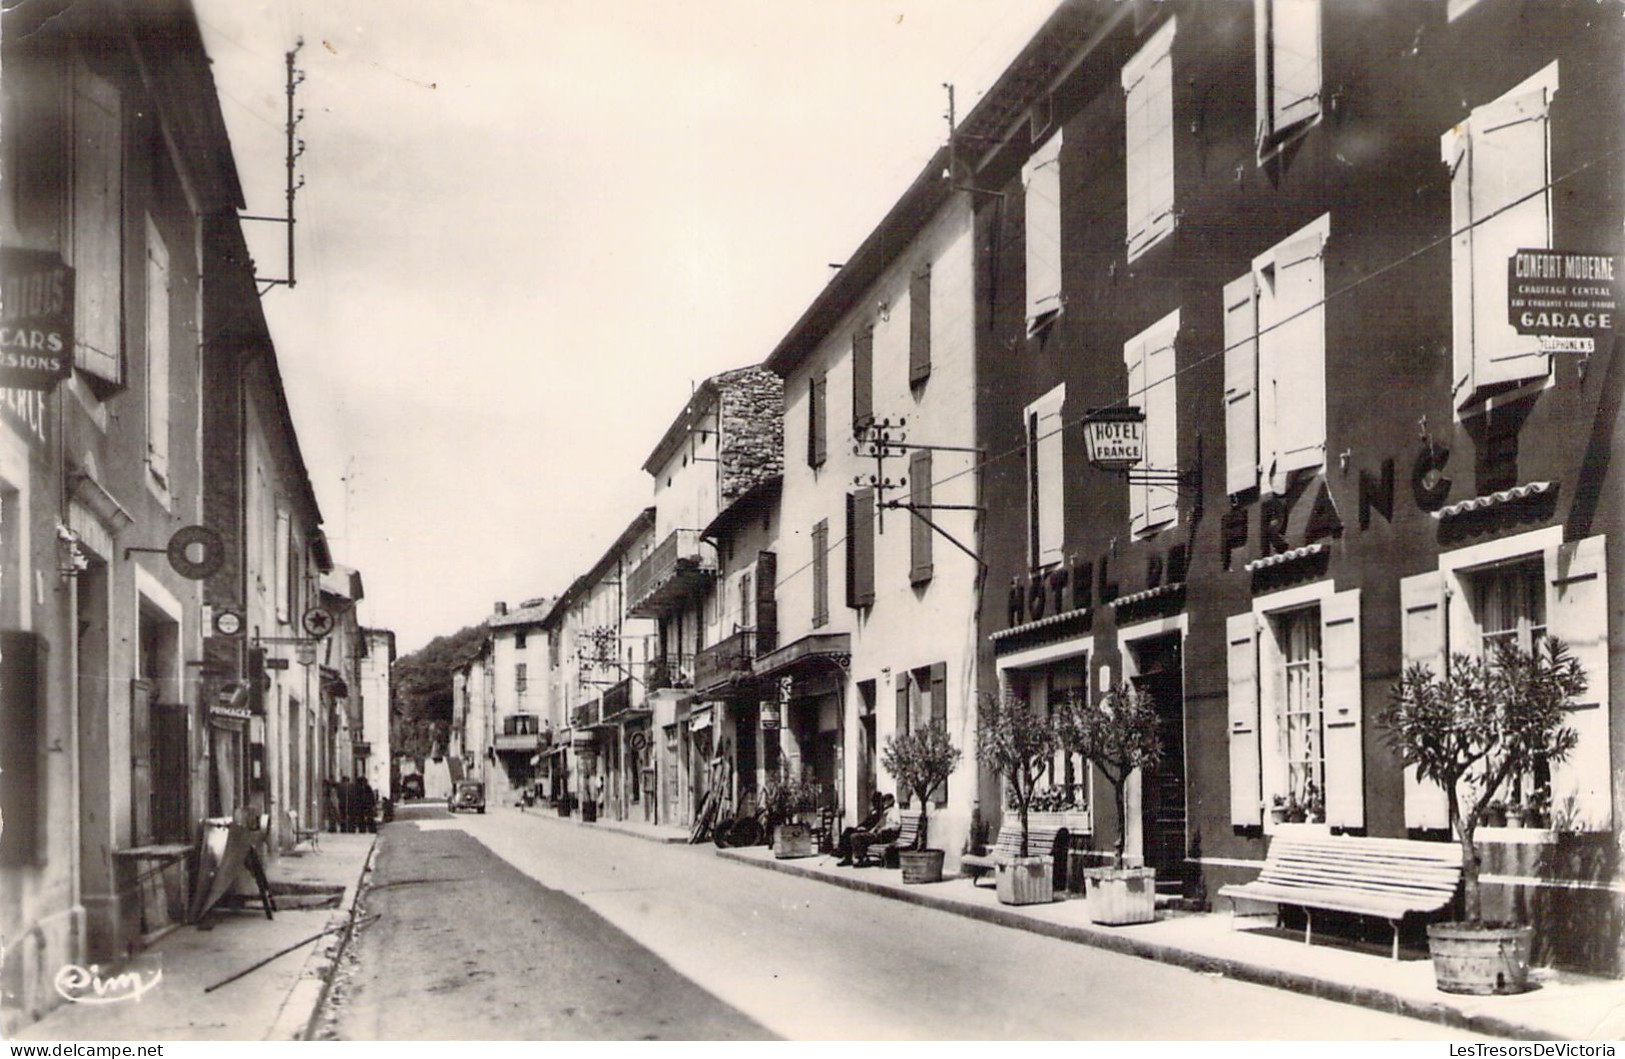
{"type": "Point", "coordinates": [421, 687]}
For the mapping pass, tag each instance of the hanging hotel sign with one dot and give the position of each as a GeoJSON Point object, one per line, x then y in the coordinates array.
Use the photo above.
{"type": "Point", "coordinates": [1567, 299]}
{"type": "Point", "coordinates": [1116, 437]}
{"type": "Point", "coordinates": [36, 319]}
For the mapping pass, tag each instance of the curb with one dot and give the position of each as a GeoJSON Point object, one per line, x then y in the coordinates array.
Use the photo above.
{"type": "Point", "coordinates": [610, 829]}
{"type": "Point", "coordinates": [303, 1005]}
{"type": "Point", "coordinates": [1257, 974]}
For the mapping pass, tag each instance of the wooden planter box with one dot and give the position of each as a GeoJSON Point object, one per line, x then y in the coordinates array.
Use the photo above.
{"type": "Point", "coordinates": [1121, 896]}
{"type": "Point", "coordinates": [792, 840]}
{"type": "Point", "coordinates": [921, 866]}
{"type": "Point", "coordinates": [1482, 961]}
{"type": "Point", "coordinates": [1025, 881]}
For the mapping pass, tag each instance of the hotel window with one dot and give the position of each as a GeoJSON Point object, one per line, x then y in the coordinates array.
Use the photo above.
{"type": "Point", "coordinates": [157, 354]}
{"type": "Point", "coordinates": [98, 208]}
{"type": "Point", "coordinates": [919, 326]}
{"type": "Point", "coordinates": [1045, 512]}
{"type": "Point", "coordinates": [817, 416]}
{"type": "Point", "coordinates": [1275, 364]}
{"type": "Point", "coordinates": [1288, 35]}
{"type": "Point", "coordinates": [1041, 181]}
{"type": "Point", "coordinates": [1148, 82]}
{"type": "Point", "coordinates": [1153, 387]}
{"type": "Point", "coordinates": [1513, 590]}
{"type": "Point", "coordinates": [1500, 203]}
{"type": "Point", "coordinates": [1295, 708]}
{"type": "Point", "coordinates": [860, 548]}
{"type": "Point", "coordinates": [820, 573]}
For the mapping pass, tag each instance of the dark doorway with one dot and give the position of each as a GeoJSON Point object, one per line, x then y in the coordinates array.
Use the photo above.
{"type": "Point", "coordinates": [1162, 790]}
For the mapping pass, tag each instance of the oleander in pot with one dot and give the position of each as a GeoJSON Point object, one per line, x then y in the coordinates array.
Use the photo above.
{"type": "Point", "coordinates": [921, 761]}
{"type": "Point", "coordinates": [1016, 742]}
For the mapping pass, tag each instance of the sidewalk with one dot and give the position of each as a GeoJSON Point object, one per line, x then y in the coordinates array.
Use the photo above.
{"type": "Point", "coordinates": [665, 833]}
{"type": "Point", "coordinates": [1564, 1007]}
{"type": "Point", "coordinates": [272, 1003]}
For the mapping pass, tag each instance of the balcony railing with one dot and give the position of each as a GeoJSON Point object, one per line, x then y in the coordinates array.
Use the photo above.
{"type": "Point", "coordinates": [725, 661]}
{"type": "Point", "coordinates": [670, 671]}
{"type": "Point", "coordinates": [681, 566]}
{"type": "Point", "coordinates": [514, 741]}
{"type": "Point", "coordinates": [586, 715]}
{"type": "Point", "coordinates": [618, 704]}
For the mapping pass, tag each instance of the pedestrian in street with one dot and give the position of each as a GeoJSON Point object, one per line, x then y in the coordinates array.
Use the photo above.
{"type": "Point", "coordinates": [366, 806]}
{"type": "Point", "coordinates": [880, 826]}
{"type": "Point", "coordinates": [330, 805]}
{"type": "Point", "coordinates": [347, 805]}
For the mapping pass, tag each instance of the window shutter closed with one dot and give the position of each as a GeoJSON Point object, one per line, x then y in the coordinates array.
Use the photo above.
{"type": "Point", "coordinates": [861, 549]}
{"type": "Point", "coordinates": [939, 715]}
{"type": "Point", "coordinates": [1296, 351]}
{"type": "Point", "coordinates": [816, 393]}
{"type": "Point", "coordinates": [1577, 614]}
{"type": "Point", "coordinates": [863, 377]}
{"type": "Point", "coordinates": [1458, 156]}
{"type": "Point", "coordinates": [98, 210]}
{"type": "Point", "coordinates": [919, 494]}
{"type": "Point", "coordinates": [1509, 163]}
{"type": "Point", "coordinates": [1341, 709]}
{"type": "Point", "coordinates": [767, 601]}
{"type": "Point", "coordinates": [820, 565]}
{"type": "Point", "coordinates": [1295, 40]}
{"type": "Point", "coordinates": [902, 703]}
{"type": "Point", "coordinates": [919, 327]}
{"type": "Point", "coordinates": [1246, 787]}
{"type": "Point", "coordinates": [1051, 515]}
{"type": "Point", "coordinates": [1240, 385]}
{"type": "Point", "coordinates": [1422, 632]}
{"type": "Point", "coordinates": [1041, 177]}
{"type": "Point", "coordinates": [157, 340]}
{"type": "Point", "coordinates": [1162, 422]}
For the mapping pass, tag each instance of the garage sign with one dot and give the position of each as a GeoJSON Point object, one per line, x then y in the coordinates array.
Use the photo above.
{"type": "Point", "coordinates": [36, 319]}
{"type": "Point", "coordinates": [1568, 299]}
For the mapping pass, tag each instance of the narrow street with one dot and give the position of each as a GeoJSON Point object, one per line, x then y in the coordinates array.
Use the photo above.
{"type": "Point", "coordinates": [515, 925]}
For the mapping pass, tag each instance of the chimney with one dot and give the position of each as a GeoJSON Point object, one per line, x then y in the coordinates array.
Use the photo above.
{"type": "Point", "coordinates": [501, 608]}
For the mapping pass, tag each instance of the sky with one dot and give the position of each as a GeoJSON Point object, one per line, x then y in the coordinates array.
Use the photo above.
{"type": "Point", "coordinates": [529, 227]}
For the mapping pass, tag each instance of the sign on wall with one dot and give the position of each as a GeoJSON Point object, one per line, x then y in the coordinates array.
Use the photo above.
{"type": "Point", "coordinates": [36, 319]}
{"type": "Point", "coordinates": [1116, 437]}
{"type": "Point", "coordinates": [1566, 298]}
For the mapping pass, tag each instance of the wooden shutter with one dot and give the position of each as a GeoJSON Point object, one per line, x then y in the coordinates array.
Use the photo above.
{"type": "Point", "coordinates": [919, 327]}
{"type": "Point", "coordinates": [1051, 512]}
{"type": "Point", "coordinates": [767, 601]}
{"type": "Point", "coordinates": [1577, 614]}
{"type": "Point", "coordinates": [919, 494]}
{"type": "Point", "coordinates": [1509, 164]}
{"type": "Point", "coordinates": [820, 565]}
{"type": "Point", "coordinates": [98, 229]}
{"type": "Point", "coordinates": [1162, 419]}
{"type": "Point", "coordinates": [863, 377]}
{"type": "Point", "coordinates": [142, 694]}
{"type": "Point", "coordinates": [1240, 385]}
{"type": "Point", "coordinates": [939, 715]}
{"type": "Point", "coordinates": [817, 388]}
{"type": "Point", "coordinates": [23, 669]}
{"type": "Point", "coordinates": [1139, 499]}
{"type": "Point", "coordinates": [1246, 789]}
{"type": "Point", "coordinates": [157, 341]}
{"type": "Point", "coordinates": [1041, 176]}
{"type": "Point", "coordinates": [902, 702]}
{"type": "Point", "coordinates": [1294, 61]}
{"type": "Point", "coordinates": [1423, 635]}
{"type": "Point", "coordinates": [281, 565]}
{"type": "Point", "coordinates": [1298, 434]}
{"type": "Point", "coordinates": [861, 548]}
{"type": "Point", "coordinates": [1457, 148]}
{"type": "Point", "coordinates": [1342, 710]}
{"type": "Point", "coordinates": [1148, 134]}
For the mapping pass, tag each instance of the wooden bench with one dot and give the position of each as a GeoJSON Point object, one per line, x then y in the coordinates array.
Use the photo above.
{"type": "Point", "coordinates": [1387, 878]}
{"type": "Point", "coordinates": [908, 832]}
{"type": "Point", "coordinates": [1041, 842]}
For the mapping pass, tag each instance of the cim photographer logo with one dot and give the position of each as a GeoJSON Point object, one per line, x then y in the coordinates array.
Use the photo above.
{"type": "Point", "coordinates": [131, 980]}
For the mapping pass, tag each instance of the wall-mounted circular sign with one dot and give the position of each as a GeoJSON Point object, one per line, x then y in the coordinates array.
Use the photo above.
{"type": "Point", "coordinates": [196, 552]}
{"type": "Point", "coordinates": [318, 621]}
{"type": "Point", "coordinates": [228, 622]}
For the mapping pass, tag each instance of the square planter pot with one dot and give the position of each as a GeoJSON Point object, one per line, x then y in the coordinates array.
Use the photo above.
{"type": "Point", "coordinates": [792, 840]}
{"type": "Point", "coordinates": [1119, 897]}
{"type": "Point", "coordinates": [921, 866]}
{"type": "Point", "coordinates": [1025, 881]}
{"type": "Point", "coordinates": [1482, 961]}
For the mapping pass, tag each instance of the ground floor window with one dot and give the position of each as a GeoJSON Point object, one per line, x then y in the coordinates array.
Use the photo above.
{"type": "Point", "coordinates": [1303, 748]}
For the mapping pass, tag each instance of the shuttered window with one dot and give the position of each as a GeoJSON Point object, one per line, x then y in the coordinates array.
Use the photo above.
{"type": "Point", "coordinates": [157, 350]}
{"type": "Point", "coordinates": [817, 417]}
{"type": "Point", "coordinates": [1149, 133]}
{"type": "Point", "coordinates": [1577, 614]}
{"type": "Point", "coordinates": [1045, 466]}
{"type": "Point", "coordinates": [1246, 792]}
{"type": "Point", "coordinates": [280, 553]}
{"type": "Point", "coordinates": [1422, 640]}
{"type": "Point", "coordinates": [1289, 77]}
{"type": "Point", "coordinates": [860, 548]}
{"type": "Point", "coordinates": [919, 327]}
{"type": "Point", "coordinates": [1240, 385]}
{"type": "Point", "coordinates": [863, 377]}
{"type": "Point", "coordinates": [937, 676]}
{"type": "Point", "coordinates": [1041, 181]}
{"type": "Point", "coordinates": [98, 210]}
{"type": "Point", "coordinates": [1288, 376]}
{"type": "Point", "coordinates": [919, 495]}
{"type": "Point", "coordinates": [820, 573]}
{"type": "Point", "coordinates": [1500, 165]}
{"type": "Point", "coordinates": [1153, 387]}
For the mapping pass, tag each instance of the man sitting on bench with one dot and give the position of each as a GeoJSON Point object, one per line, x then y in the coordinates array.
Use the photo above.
{"type": "Point", "coordinates": [878, 827]}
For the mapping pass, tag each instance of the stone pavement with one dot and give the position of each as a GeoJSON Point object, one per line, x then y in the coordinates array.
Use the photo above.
{"type": "Point", "coordinates": [1564, 1007]}
{"type": "Point", "coordinates": [274, 1002]}
{"type": "Point", "coordinates": [636, 828]}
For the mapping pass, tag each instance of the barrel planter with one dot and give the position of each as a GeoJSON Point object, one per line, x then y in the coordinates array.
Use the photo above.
{"type": "Point", "coordinates": [921, 865]}
{"type": "Point", "coordinates": [1119, 897]}
{"type": "Point", "coordinates": [1487, 960]}
{"type": "Point", "coordinates": [792, 840]}
{"type": "Point", "coordinates": [1025, 881]}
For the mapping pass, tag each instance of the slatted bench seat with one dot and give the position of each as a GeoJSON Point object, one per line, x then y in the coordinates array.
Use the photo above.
{"type": "Point", "coordinates": [1041, 842]}
{"type": "Point", "coordinates": [885, 853]}
{"type": "Point", "coordinates": [1387, 878]}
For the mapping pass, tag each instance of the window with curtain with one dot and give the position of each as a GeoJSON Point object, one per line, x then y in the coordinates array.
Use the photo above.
{"type": "Point", "coordinates": [1300, 724]}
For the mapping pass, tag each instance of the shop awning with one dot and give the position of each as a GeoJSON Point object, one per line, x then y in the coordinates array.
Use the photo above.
{"type": "Point", "coordinates": [699, 719]}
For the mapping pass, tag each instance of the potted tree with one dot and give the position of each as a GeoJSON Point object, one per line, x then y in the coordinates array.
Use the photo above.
{"type": "Point", "coordinates": [1016, 743]}
{"type": "Point", "coordinates": [921, 761]}
{"type": "Point", "coordinates": [1479, 726]}
{"type": "Point", "coordinates": [787, 800]}
{"type": "Point", "coordinates": [1119, 735]}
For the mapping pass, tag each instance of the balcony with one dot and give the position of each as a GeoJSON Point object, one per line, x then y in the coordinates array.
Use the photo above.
{"type": "Point", "coordinates": [618, 705]}
{"type": "Point", "coordinates": [522, 731]}
{"type": "Point", "coordinates": [676, 570]}
{"type": "Point", "coordinates": [670, 671]}
{"type": "Point", "coordinates": [725, 662]}
{"type": "Point", "coordinates": [587, 715]}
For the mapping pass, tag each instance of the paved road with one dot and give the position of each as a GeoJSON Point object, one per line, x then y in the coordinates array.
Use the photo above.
{"type": "Point", "coordinates": [674, 941]}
